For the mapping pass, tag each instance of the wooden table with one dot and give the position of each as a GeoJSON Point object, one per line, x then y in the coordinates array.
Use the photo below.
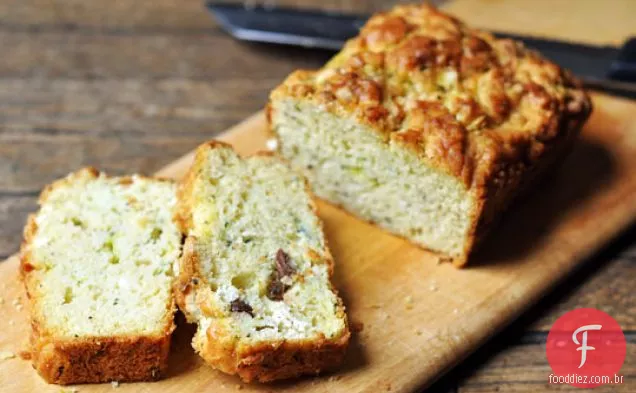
{"type": "Point", "coordinates": [129, 86]}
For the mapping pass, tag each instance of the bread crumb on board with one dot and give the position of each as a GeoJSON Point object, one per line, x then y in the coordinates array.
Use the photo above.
{"type": "Point", "coordinates": [409, 302]}
{"type": "Point", "coordinates": [17, 303]}
{"type": "Point", "coordinates": [272, 144]}
{"type": "Point", "coordinates": [357, 326]}
{"type": "Point", "coordinates": [6, 355]}
{"type": "Point", "coordinates": [114, 384]}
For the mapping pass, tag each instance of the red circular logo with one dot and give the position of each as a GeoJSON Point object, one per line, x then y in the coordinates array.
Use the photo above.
{"type": "Point", "coordinates": [586, 348]}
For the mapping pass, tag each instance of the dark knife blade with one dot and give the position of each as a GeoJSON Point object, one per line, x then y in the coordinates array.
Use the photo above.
{"type": "Point", "coordinates": [606, 68]}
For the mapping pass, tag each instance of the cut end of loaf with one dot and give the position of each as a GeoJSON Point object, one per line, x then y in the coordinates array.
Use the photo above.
{"type": "Point", "coordinates": [381, 181]}
{"type": "Point", "coordinates": [255, 274]}
{"type": "Point", "coordinates": [97, 264]}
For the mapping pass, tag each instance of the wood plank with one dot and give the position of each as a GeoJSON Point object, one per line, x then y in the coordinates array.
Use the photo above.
{"type": "Point", "coordinates": [129, 107]}
{"type": "Point", "coordinates": [148, 56]}
{"type": "Point", "coordinates": [130, 15]}
{"type": "Point", "coordinates": [13, 212]}
{"type": "Point", "coordinates": [103, 14]}
{"type": "Point", "coordinates": [564, 19]}
{"type": "Point", "coordinates": [26, 166]}
{"type": "Point", "coordinates": [420, 317]}
{"type": "Point", "coordinates": [524, 369]}
{"type": "Point", "coordinates": [608, 287]}
{"type": "Point", "coordinates": [548, 18]}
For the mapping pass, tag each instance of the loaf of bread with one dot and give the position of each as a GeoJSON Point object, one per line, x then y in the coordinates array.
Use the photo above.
{"type": "Point", "coordinates": [97, 262]}
{"type": "Point", "coordinates": [255, 274]}
{"type": "Point", "coordinates": [427, 127]}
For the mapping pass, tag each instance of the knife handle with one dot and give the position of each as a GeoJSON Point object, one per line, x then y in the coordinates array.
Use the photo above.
{"type": "Point", "coordinates": [624, 67]}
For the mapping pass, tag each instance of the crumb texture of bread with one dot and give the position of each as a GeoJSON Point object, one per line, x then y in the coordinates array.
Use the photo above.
{"type": "Point", "coordinates": [427, 127]}
{"type": "Point", "coordinates": [97, 263]}
{"type": "Point", "coordinates": [255, 274]}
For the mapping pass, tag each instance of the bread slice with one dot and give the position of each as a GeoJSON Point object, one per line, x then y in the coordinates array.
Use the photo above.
{"type": "Point", "coordinates": [255, 272]}
{"type": "Point", "coordinates": [97, 265]}
{"type": "Point", "coordinates": [427, 127]}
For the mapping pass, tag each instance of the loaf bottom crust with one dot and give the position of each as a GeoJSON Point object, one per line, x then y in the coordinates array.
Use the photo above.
{"type": "Point", "coordinates": [96, 360]}
{"type": "Point", "coordinates": [273, 361]}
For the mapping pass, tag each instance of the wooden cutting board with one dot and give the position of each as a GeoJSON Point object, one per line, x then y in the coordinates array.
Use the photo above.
{"type": "Point", "coordinates": [419, 317]}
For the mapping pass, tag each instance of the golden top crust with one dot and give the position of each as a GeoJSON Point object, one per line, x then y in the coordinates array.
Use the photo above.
{"type": "Point", "coordinates": [464, 100]}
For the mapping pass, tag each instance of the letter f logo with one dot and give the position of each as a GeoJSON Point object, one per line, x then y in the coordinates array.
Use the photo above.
{"type": "Point", "coordinates": [583, 344]}
{"type": "Point", "coordinates": [607, 344]}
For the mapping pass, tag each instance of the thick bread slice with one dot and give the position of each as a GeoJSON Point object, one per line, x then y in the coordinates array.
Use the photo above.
{"type": "Point", "coordinates": [427, 127]}
{"type": "Point", "coordinates": [97, 264]}
{"type": "Point", "coordinates": [255, 273]}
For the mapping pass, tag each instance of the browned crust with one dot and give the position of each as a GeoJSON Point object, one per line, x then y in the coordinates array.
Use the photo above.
{"type": "Point", "coordinates": [89, 359]}
{"type": "Point", "coordinates": [507, 117]}
{"type": "Point", "coordinates": [268, 361]}
{"type": "Point", "coordinates": [274, 360]}
{"type": "Point", "coordinates": [95, 360]}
